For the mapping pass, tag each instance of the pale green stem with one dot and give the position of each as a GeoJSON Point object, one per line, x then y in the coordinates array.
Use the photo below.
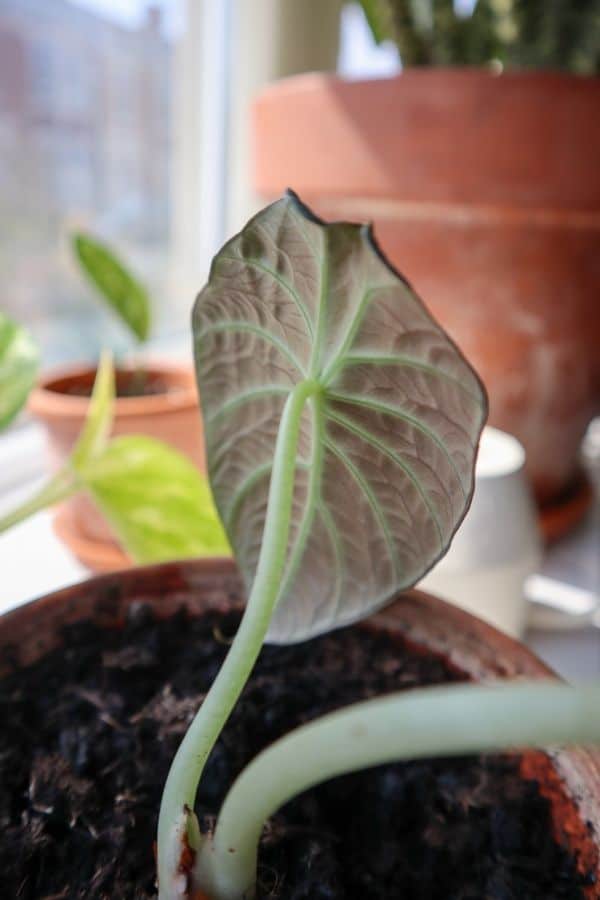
{"type": "Point", "coordinates": [186, 769]}
{"type": "Point", "coordinates": [429, 722]}
{"type": "Point", "coordinates": [63, 485]}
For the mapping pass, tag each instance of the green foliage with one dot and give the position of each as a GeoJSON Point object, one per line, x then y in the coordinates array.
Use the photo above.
{"type": "Point", "coordinates": [341, 430]}
{"type": "Point", "coordinates": [117, 286]}
{"type": "Point", "coordinates": [98, 421]}
{"type": "Point", "coordinates": [558, 34]}
{"type": "Point", "coordinates": [392, 417]}
{"type": "Point", "coordinates": [19, 358]}
{"type": "Point", "coordinates": [452, 720]}
{"type": "Point", "coordinates": [158, 503]}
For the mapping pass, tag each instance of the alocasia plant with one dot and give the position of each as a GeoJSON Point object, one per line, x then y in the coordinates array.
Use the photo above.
{"type": "Point", "coordinates": [342, 427]}
{"type": "Point", "coordinates": [305, 331]}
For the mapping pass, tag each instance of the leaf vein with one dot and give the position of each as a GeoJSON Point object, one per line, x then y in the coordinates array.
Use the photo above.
{"type": "Point", "coordinates": [386, 409]}
{"type": "Point", "coordinates": [372, 500]}
{"type": "Point", "coordinates": [289, 289]}
{"type": "Point", "coordinates": [370, 438]}
{"type": "Point", "coordinates": [234, 326]}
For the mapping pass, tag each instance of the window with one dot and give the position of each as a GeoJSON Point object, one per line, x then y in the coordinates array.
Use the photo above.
{"type": "Point", "coordinates": [86, 140]}
{"type": "Point", "coordinates": [130, 118]}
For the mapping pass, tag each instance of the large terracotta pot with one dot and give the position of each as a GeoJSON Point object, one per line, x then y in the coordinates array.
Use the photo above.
{"type": "Point", "coordinates": [570, 779]}
{"type": "Point", "coordinates": [485, 192]}
{"type": "Point", "coordinates": [171, 415]}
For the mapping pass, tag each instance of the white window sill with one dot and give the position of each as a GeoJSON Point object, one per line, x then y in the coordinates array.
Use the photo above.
{"type": "Point", "coordinates": [33, 562]}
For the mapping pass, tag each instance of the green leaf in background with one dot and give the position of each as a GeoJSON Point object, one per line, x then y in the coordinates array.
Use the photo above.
{"type": "Point", "coordinates": [157, 502]}
{"type": "Point", "coordinates": [117, 286]}
{"type": "Point", "coordinates": [19, 359]}
{"type": "Point", "coordinates": [383, 473]}
{"type": "Point", "coordinates": [377, 17]}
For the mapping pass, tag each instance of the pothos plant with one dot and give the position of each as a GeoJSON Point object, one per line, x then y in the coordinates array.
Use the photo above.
{"type": "Point", "coordinates": [19, 360]}
{"type": "Point", "coordinates": [157, 502]}
{"type": "Point", "coordinates": [115, 284]}
{"type": "Point", "coordinates": [342, 427]}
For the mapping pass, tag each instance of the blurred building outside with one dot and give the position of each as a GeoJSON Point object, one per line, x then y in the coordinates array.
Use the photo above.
{"type": "Point", "coordinates": [85, 140]}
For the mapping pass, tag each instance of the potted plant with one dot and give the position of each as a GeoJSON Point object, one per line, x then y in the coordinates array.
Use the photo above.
{"type": "Point", "coordinates": [478, 165]}
{"type": "Point", "coordinates": [152, 398]}
{"type": "Point", "coordinates": [342, 428]}
{"type": "Point", "coordinates": [155, 500]}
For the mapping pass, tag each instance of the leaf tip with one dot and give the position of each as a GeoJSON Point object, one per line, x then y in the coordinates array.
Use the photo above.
{"type": "Point", "coordinates": [302, 208]}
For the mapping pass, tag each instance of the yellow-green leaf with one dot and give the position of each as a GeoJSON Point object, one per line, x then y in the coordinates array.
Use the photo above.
{"type": "Point", "coordinates": [19, 359]}
{"type": "Point", "coordinates": [159, 505]}
{"type": "Point", "coordinates": [98, 422]}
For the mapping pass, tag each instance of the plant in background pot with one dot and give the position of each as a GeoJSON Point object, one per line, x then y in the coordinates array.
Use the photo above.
{"type": "Point", "coordinates": [158, 503]}
{"type": "Point", "coordinates": [342, 427]}
{"type": "Point", "coordinates": [19, 360]}
{"type": "Point", "coordinates": [155, 399]}
{"type": "Point", "coordinates": [481, 175]}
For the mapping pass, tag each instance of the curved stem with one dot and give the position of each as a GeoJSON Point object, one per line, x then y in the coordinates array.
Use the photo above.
{"type": "Point", "coordinates": [433, 721]}
{"type": "Point", "coordinates": [182, 782]}
{"type": "Point", "coordinates": [63, 485]}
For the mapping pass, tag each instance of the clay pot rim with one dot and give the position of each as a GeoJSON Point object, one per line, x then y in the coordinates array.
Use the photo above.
{"type": "Point", "coordinates": [459, 74]}
{"type": "Point", "coordinates": [569, 778]}
{"type": "Point", "coordinates": [48, 403]}
{"type": "Point", "coordinates": [507, 655]}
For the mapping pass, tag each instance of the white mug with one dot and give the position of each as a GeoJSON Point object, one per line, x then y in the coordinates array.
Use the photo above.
{"type": "Point", "coordinates": [498, 544]}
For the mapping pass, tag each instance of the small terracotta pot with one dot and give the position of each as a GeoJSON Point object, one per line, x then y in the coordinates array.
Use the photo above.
{"type": "Point", "coordinates": [172, 416]}
{"type": "Point", "coordinates": [485, 192]}
{"type": "Point", "coordinates": [569, 779]}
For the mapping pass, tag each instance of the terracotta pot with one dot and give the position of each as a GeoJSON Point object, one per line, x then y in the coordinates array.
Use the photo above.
{"type": "Point", "coordinates": [171, 415]}
{"type": "Point", "coordinates": [570, 779]}
{"type": "Point", "coordinates": [485, 192]}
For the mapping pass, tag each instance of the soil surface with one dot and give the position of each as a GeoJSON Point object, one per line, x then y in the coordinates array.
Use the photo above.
{"type": "Point", "coordinates": [89, 731]}
{"type": "Point", "coordinates": [139, 383]}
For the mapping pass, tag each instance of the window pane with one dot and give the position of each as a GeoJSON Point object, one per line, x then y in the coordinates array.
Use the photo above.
{"type": "Point", "coordinates": [86, 141]}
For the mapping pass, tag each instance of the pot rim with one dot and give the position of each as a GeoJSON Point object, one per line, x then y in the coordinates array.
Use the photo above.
{"type": "Point", "coordinates": [47, 403]}
{"type": "Point", "coordinates": [509, 657]}
{"type": "Point", "coordinates": [544, 77]}
{"type": "Point", "coordinates": [570, 779]}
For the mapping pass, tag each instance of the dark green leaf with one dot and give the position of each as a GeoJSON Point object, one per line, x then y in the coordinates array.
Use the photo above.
{"type": "Point", "coordinates": [116, 285]}
{"type": "Point", "coordinates": [377, 18]}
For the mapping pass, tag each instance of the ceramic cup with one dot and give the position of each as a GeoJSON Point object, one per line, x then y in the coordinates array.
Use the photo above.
{"type": "Point", "coordinates": [498, 544]}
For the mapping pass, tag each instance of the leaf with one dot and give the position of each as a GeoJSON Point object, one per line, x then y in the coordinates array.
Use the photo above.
{"type": "Point", "coordinates": [19, 359]}
{"type": "Point", "coordinates": [384, 468]}
{"type": "Point", "coordinates": [116, 285]}
{"type": "Point", "coordinates": [377, 20]}
{"type": "Point", "coordinates": [98, 421]}
{"type": "Point", "coordinates": [157, 502]}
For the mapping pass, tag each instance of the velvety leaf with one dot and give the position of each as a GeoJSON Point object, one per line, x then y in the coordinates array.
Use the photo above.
{"type": "Point", "coordinates": [384, 468]}
{"type": "Point", "coordinates": [157, 502]}
{"type": "Point", "coordinates": [19, 360]}
{"type": "Point", "coordinates": [115, 284]}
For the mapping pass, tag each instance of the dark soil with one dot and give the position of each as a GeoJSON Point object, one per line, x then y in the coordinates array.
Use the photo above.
{"type": "Point", "coordinates": [89, 731]}
{"type": "Point", "coordinates": [138, 383]}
